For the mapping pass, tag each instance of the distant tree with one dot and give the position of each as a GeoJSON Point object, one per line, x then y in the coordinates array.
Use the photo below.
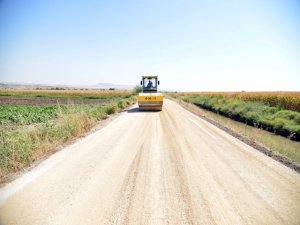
{"type": "Point", "coordinates": [138, 89]}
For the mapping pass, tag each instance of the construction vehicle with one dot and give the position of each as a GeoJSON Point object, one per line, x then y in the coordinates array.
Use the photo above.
{"type": "Point", "coordinates": [149, 99]}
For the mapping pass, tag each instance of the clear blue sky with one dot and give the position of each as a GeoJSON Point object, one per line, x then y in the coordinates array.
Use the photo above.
{"type": "Point", "coordinates": [192, 45]}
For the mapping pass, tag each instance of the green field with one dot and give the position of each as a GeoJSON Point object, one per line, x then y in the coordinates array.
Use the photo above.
{"type": "Point", "coordinates": [29, 131]}
{"type": "Point", "coordinates": [25, 115]}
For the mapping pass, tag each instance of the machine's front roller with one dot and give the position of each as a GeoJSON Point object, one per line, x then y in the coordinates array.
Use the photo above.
{"type": "Point", "coordinates": [150, 101]}
{"type": "Point", "coordinates": [150, 107]}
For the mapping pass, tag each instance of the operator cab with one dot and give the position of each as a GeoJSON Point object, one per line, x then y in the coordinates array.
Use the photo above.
{"type": "Point", "coordinates": [149, 83]}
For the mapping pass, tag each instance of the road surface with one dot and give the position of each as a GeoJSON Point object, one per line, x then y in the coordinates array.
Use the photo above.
{"type": "Point", "coordinates": [168, 167]}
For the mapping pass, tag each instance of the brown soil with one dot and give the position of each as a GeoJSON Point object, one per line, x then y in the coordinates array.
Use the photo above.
{"type": "Point", "coordinates": [15, 100]}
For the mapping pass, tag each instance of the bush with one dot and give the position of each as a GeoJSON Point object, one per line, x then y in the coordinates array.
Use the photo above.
{"type": "Point", "coordinates": [121, 104]}
{"type": "Point", "coordinates": [138, 89]}
{"type": "Point", "coordinates": [16, 149]}
{"type": "Point", "coordinates": [110, 109]}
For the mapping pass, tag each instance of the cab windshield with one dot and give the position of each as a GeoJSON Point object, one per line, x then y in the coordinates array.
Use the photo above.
{"type": "Point", "coordinates": [150, 84]}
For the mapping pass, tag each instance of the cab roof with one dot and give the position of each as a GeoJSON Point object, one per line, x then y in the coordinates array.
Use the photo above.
{"type": "Point", "coordinates": [149, 76]}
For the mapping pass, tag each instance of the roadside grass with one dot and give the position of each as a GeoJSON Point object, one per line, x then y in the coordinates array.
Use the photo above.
{"type": "Point", "coordinates": [275, 119]}
{"type": "Point", "coordinates": [29, 132]}
{"type": "Point", "coordinates": [282, 145]}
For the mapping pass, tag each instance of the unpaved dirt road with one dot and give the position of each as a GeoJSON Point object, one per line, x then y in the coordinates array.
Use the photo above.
{"type": "Point", "coordinates": [166, 167]}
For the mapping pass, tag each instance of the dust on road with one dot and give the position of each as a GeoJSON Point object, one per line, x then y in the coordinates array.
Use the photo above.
{"type": "Point", "coordinates": [167, 167]}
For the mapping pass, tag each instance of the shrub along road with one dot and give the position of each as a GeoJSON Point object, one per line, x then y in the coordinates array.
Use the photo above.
{"type": "Point", "coordinates": [168, 167]}
{"type": "Point", "coordinates": [274, 119]}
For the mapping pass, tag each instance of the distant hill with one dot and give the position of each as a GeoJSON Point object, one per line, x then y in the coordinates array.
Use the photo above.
{"type": "Point", "coordinates": [99, 86]}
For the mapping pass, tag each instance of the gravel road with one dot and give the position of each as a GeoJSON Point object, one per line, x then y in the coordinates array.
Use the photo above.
{"type": "Point", "coordinates": [168, 167]}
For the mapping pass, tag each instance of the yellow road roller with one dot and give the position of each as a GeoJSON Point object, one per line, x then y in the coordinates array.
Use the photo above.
{"type": "Point", "coordinates": [149, 99]}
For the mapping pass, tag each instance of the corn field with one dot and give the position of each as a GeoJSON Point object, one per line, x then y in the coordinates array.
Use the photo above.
{"type": "Point", "coordinates": [285, 100]}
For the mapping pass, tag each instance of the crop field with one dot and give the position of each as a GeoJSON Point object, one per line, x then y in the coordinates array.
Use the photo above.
{"type": "Point", "coordinates": [276, 112]}
{"type": "Point", "coordinates": [33, 123]}
{"type": "Point", "coordinates": [52, 97]}
{"type": "Point", "coordinates": [285, 100]}
{"type": "Point", "coordinates": [64, 93]}
{"type": "Point", "coordinates": [25, 115]}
